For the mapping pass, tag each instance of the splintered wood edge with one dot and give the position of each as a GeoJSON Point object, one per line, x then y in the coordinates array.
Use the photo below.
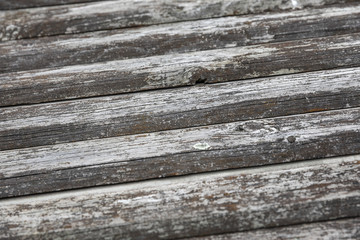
{"type": "Point", "coordinates": [200, 204]}
{"type": "Point", "coordinates": [105, 15]}
{"type": "Point", "coordinates": [177, 38]}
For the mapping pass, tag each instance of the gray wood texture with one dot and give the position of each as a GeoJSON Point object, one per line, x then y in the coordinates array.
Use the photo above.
{"type": "Point", "coordinates": [16, 4]}
{"type": "Point", "coordinates": [219, 65]}
{"type": "Point", "coordinates": [338, 229]}
{"type": "Point", "coordinates": [180, 119]}
{"type": "Point", "coordinates": [105, 15]}
{"type": "Point", "coordinates": [77, 120]}
{"type": "Point", "coordinates": [179, 152]}
{"type": "Point", "coordinates": [195, 205]}
{"type": "Point", "coordinates": [177, 37]}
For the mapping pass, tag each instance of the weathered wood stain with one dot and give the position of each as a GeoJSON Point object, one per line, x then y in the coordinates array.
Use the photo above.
{"type": "Point", "coordinates": [206, 119]}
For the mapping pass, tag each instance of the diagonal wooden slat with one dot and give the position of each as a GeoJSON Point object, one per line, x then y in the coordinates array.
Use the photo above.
{"type": "Point", "coordinates": [105, 15]}
{"type": "Point", "coordinates": [69, 121]}
{"type": "Point", "coordinates": [172, 70]}
{"type": "Point", "coordinates": [177, 37]}
{"type": "Point", "coordinates": [191, 206]}
{"type": "Point", "coordinates": [179, 152]}
{"type": "Point", "coordinates": [247, 147]}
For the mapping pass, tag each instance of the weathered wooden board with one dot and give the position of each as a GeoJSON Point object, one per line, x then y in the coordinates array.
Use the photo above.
{"type": "Point", "coordinates": [44, 124]}
{"type": "Point", "coordinates": [338, 229]}
{"type": "Point", "coordinates": [172, 70]}
{"type": "Point", "coordinates": [105, 15]}
{"type": "Point", "coordinates": [177, 37]}
{"type": "Point", "coordinates": [189, 206]}
{"type": "Point", "coordinates": [259, 125]}
{"type": "Point", "coordinates": [15, 4]}
{"type": "Point", "coordinates": [179, 152]}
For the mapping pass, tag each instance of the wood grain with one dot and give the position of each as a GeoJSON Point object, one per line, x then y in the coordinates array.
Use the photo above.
{"type": "Point", "coordinates": [179, 152]}
{"type": "Point", "coordinates": [105, 15]}
{"type": "Point", "coordinates": [177, 38]}
{"type": "Point", "coordinates": [11, 4]}
{"type": "Point", "coordinates": [172, 70]}
{"type": "Point", "coordinates": [69, 121]}
{"type": "Point", "coordinates": [96, 157]}
{"type": "Point", "coordinates": [191, 206]}
{"type": "Point", "coordinates": [338, 229]}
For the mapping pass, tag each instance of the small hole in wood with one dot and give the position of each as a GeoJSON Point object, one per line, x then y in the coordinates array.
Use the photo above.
{"type": "Point", "coordinates": [240, 129]}
{"type": "Point", "coordinates": [201, 79]}
{"type": "Point", "coordinates": [291, 139]}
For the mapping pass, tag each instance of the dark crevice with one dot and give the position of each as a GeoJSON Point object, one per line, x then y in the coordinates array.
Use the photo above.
{"type": "Point", "coordinates": [201, 80]}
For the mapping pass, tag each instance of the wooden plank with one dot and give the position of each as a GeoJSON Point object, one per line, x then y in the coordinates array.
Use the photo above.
{"type": "Point", "coordinates": [11, 4]}
{"type": "Point", "coordinates": [191, 206]}
{"type": "Point", "coordinates": [105, 15]}
{"type": "Point", "coordinates": [172, 70]}
{"type": "Point", "coordinates": [338, 229]}
{"type": "Point", "coordinates": [179, 152]}
{"type": "Point", "coordinates": [44, 124]}
{"type": "Point", "coordinates": [177, 37]}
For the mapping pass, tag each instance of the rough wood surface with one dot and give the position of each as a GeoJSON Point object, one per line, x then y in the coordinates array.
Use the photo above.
{"type": "Point", "coordinates": [172, 70]}
{"type": "Point", "coordinates": [105, 15]}
{"type": "Point", "coordinates": [69, 121]}
{"type": "Point", "coordinates": [179, 152]}
{"type": "Point", "coordinates": [246, 147]}
{"type": "Point", "coordinates": [338, 229]}
{"type": "Point", "coordinates": [195, 205]}
{"type": "Point", "coordinates": [177, 37]}
{"type": "Point", "coordinates": [16, 4]}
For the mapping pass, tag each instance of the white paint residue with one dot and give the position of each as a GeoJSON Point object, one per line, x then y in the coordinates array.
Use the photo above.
{"type": "Point", "coordinates": [201, 146]}
{"type": "Point", "coordinates": [123, 201]}
{"type": "Point", "coordinates": [294, 3]}
{"type": "Point", "coordinates": [229, 45]}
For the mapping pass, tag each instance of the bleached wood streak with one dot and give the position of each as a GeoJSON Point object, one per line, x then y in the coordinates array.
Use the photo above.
{"type": "Point", "coordinates": [338, 229]}
{"type": "Point", "coordinates": [196, 205]}
{"type": "Point", "coordinates": [105, 15]}
{"type": "Point", "coordinates": [172, 70]}
{"type": "Point", "coordinates": [16, 4]}
{"type": "Point", "coordinates": [179, 152]}
{"type": "Point", "coordinates": [177, 37]}
{"type": "Point", "coordinates": [44, 124]}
